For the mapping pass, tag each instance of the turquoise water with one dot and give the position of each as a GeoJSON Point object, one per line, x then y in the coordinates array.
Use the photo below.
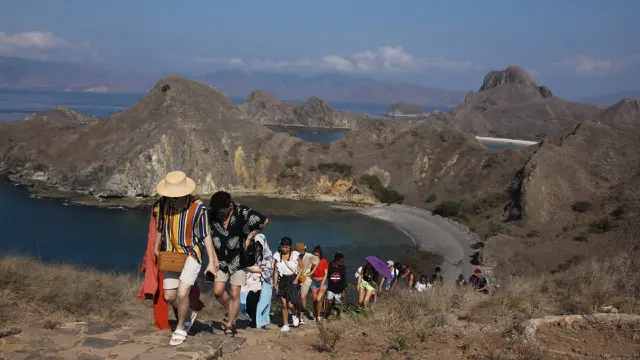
{"type": "Point", "coordinates": [111, 239]}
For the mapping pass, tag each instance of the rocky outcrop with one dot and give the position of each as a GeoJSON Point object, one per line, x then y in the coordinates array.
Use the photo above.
{"type": "Point", "coordinates": [405, 109]}
{"type": "Point", "coordinates": [265, 108]}
{"type": "Point", "coordinates": [624, 114]}
{"type": "Point", "coordinates": [511, 104]}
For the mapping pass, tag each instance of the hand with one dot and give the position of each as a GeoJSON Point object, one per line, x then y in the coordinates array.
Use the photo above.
{"type": "Point", "coordinates": [295, 282]}
{"type": "Point", "coordinates": [211, 268]}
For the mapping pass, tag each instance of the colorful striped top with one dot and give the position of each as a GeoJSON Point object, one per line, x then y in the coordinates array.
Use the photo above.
{"type": "Point", "coordinates": [182, 231]}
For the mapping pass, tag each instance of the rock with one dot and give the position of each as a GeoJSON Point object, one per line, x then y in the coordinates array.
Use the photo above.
{"type": "Point", "coordinates": [99, 343]}
{"type": "Point", "coordinates": [89, 357]}
{"type": "Point", "coordinates": [232, 344]}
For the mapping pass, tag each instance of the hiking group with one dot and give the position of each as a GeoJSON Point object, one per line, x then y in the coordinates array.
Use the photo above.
{"type": "Point", "coordinates": [244, 270]}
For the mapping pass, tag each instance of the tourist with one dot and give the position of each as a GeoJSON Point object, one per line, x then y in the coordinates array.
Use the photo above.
{"type": "Point", "coordinates": [181, 228]}
{"type": "Point", "coordinates": [436, 278]}
{"type": "Point", "coordinates": [478, 282]}
{"type": "Point", "coordinates": [406, 279]}
{"type": "Point", "coordinates": [306, 264]}
{"type": "Point", "coordinates": [386, 284]}
{"type": "Point", "coordinates": [423, 283]}
{"type": "Point", "coordinates": [460, 282]}
{"type": "Point", "coordinates": [367, 284]}
{"type": "Point", "coordinates": [319, 282]}
{"type": "Point", "coordinates": [258, 286]}
{"type": "Point", "coordinates": [233, 226]}
{"type": "Point", "coordinates": [337, 285]}
{"type": "Point", "coordinates": [286, 282]}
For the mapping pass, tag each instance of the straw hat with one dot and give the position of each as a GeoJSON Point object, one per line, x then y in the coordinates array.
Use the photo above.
{"type": "Point", "coordinates": [176, 184]}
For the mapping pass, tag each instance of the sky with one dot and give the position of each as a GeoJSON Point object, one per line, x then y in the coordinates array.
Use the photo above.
{"type": "Point", "coordinates": [576, 47]}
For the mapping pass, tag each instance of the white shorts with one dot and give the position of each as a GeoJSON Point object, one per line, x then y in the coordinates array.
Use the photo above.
{"type": "Point", "coordinates": [188, 275]}
{"type": "Point", "coordinates": [333, 296]}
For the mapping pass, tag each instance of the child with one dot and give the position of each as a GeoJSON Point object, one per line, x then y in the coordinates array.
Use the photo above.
{"type": "Point", "coordinates": [422, 283]}
{"type": "Point", "coordinates": [337, 284]}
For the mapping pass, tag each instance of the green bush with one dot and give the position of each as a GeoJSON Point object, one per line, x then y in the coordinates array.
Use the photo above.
{"type": "Point", "coordinates": [431, 198]}
{"type": "Point", "coordinates": [495, 229]}
{"type": "Point", "coordinates": [448, 209]}
{"type": "Point", "coordinates": [165, 88]}
{"type": "Point", "coordinates": [382, 193]}
{"type": "Point", "coordinates": [336, 167]}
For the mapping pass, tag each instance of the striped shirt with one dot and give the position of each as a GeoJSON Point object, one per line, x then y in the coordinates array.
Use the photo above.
{"type": "Point", "coordinates": [183, 231]}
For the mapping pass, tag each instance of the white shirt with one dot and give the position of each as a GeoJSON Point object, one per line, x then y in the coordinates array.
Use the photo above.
{"type": "Point", "coordinates": [283, 269]}
{"type": "Point", "coordinates": [421, 287]}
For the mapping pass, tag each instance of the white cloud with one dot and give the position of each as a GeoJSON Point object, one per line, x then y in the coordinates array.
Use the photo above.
{"type": "Point", "coordinates": [390, 58]}
{"type": "Point", "coordinates": [42, 45]}
{"type": "Point", "coordinates": [592, 66]}
{"type": "Point", "coordinates": [251, 64]}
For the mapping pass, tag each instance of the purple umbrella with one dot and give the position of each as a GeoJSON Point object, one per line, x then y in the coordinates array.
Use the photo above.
{"type": "Point", "coordinates": [379, 265]}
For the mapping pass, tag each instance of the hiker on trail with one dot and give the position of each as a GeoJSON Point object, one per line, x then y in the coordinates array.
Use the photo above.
{"type": "Point", "coordinates": [423, 283]}
{"type": "Point", "coordinates": [306, 264]}
{"type": "Point", "coordinates": [385, 284]}
{"type": "Point", "coordinates": [367, 284]}
{"type": "Point", "coordinates": [258, 288]}
{"type": "Point", "coordinates": [286, 281]}
{"type": "Point", "coordinates": [460, 282]}
{"type": "Point", "coordinates": [337, 287]}
{"type": "Point", "coordinates": [233, 227]}
{"type": "Point", "coordinates": [319, 282]}
{"type": "Point", "coordinates": [406, 279]}
{"type": "Point", "coordinates": [181, 228]}
{"type": "Point", "coordinates": [436, 278]}
{"type": "Point", "coordinates": [478, 282]}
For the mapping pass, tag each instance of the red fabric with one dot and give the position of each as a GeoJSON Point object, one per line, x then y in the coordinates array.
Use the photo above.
{"type": "Point", "coordinates": [151, 286]}
{"type": "Point", "coordinates": [319, 270]}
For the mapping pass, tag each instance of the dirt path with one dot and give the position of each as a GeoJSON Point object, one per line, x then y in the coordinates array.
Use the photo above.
{"type": "Point", "coordinates": [431, 233]}
{"type": "Point", "coordinates": [84, 341]}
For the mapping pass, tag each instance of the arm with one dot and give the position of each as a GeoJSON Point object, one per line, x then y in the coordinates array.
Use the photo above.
{"type": "Point", "coordinates": [382, 282]}
{"type": "Point", "coordinates": [254, 269]}
{"type": "Point", "coordinates": [157, 244]}
{"type": "Point", "coordinates": [254, 220]}
{"type": "Point", "coordinates": [412, 281]}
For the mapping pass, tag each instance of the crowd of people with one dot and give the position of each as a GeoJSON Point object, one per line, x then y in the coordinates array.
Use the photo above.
{"type": "Point", "coordinates": [246, 273]}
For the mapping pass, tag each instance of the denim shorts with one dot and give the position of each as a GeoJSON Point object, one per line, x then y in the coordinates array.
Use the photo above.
{"type": "Point", "coordinates": [316, 284]}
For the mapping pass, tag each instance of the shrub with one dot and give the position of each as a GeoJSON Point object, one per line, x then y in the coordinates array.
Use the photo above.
{"type": "Point", "coordinates": [581, 206]}
{"type": "Point", "coordinates": [495, 229]}
{"type": "Point", "coordinates": [165, 88]}
{"type": "Point", "coordinates": [382, 193]}
{"type": "Point", "coordinates": [601, 226]}
{"type": "Point", "coordinates": [448, 209]}
{"type": "Point", "coordinates": [431, 198]}
{"type": "Point", "coordinates": [619, 212]}
{"type": "Point", "coordinates": [336, 167]}
{"type": "Point", "coordinates": [581, 238]}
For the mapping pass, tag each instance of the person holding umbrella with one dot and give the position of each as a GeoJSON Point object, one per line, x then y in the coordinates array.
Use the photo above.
{"type": "Point", "coordinates": [368, 279]}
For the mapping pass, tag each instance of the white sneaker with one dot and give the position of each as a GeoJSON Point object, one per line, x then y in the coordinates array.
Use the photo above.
{"type": "Point", "coordinates": [296, 321]}
{"type": "Point", "coordinates": [285, 328]}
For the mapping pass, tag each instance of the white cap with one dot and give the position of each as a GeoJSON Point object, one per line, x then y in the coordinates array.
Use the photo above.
{"type": "Point", "coordinates": [390, 263]}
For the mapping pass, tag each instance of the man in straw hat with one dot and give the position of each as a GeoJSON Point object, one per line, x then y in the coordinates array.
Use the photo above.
{"type": "Point", "coordinates": [182, 227]}
{"type": "Point", "coordinates": [233, 227]}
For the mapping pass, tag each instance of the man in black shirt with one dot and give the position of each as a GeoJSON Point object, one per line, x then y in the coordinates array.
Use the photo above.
{"type": "Point", "coordinates": [233, 227]}
{"type": "Point", "coordinates": [337, 287]}
{"type": "Point", "coordinates": [479, 282]}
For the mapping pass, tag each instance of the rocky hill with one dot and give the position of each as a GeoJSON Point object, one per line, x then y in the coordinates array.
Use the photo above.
{"type": "Point", "coordinates": [265, 108]}
{"type": "Point", "coordinates": [511, 104]}
{"type": "Point", "coordinates": [405, 109]}
{"type": "Point", "coordinates": [624, 114]}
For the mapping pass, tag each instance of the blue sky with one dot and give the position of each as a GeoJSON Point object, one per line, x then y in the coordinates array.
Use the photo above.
{"type": "Point", "coordinates": [577, 47]}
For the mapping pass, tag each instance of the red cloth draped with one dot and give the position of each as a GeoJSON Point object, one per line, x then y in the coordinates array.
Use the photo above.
{"type": "Point", "coordinates": [151, 287]}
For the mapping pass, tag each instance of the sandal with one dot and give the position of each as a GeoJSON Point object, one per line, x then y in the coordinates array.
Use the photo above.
{"type": "Point", "coordinates": [178, 337]}
{"type": "Point", "coordinates": [229, 330]}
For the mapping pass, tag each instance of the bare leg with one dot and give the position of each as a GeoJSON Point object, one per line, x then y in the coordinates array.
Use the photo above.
{"type": "Point", "coordinates": [314, 296]}
{"type": "Point", "coordinates": [234, 305]}
{"type": "Point", "coordinates": [361, 293]}
{"type": "Point", "coordinates": [183, 304]}
{"type": "Point", "coordinates": [329, 308]}
{"type": "Point", "coordinates": [319, 298]}
{"type": "Point", "coordinates": [285, 311]}
{"type": "Point", "coordinates": [221, 294]}
{"type": "Point", "coordinates": [367, 298]}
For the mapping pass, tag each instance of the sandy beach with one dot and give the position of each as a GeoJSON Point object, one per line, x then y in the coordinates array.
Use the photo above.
{"type": "Point", "coordinates": [431, 233]}
{"type": "Point", "coordinates": [506, 141]}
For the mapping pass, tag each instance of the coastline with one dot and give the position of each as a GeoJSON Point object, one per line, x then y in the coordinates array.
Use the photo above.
{"type": "Point", "coordinates": [433, 234]}
{"type": "Point", "coordinates": [506, 141]}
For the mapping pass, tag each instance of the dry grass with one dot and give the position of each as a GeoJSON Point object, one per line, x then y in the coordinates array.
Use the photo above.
{"type": "Point", "coordinates": [31, 291]}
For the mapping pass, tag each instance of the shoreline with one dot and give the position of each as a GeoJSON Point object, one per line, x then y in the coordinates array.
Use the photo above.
{"type": "Point", "coordinates": [506, 141]}
{"type": "Point", "coordinates": [433, 234]}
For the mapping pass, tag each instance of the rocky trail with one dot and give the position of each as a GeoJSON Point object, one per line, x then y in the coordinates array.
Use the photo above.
{"type": "Point", "coordinates": [83, 341]}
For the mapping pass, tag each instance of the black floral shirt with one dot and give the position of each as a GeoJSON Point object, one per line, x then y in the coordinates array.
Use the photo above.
{"type": "Point", "coordinates": [229, 243]}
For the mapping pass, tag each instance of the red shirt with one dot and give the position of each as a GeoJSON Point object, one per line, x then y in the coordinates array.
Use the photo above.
{"type": "Point", "coordinates": [318, 272]}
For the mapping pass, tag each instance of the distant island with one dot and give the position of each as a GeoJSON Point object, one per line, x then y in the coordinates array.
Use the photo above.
{"type": "Point", "coordinates": [405, 110]}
